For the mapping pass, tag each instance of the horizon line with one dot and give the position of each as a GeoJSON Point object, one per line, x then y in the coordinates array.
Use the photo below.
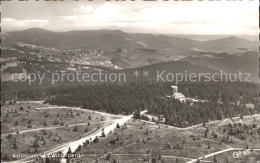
{"type": "Point", "coordinates": [188, 34]}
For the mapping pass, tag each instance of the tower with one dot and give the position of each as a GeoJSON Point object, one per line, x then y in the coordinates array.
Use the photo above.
{"type": "Point", "coordinates": [174, 89]}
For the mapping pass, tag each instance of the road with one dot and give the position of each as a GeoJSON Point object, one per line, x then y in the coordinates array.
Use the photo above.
{"type": "Point", "coordinates": [222, 122]}
{"type": "Point", "coordinates": [219, 152]}
{"type": "Point", "coordinates": [74, 144]}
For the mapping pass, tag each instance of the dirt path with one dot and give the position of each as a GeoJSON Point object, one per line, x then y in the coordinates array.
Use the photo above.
{"type": "Point", "coordinates": [78, 109]}
{"type": "Point", "coordinates": [48, 128]}
{"type": "Point", "coordinates": [219, 152]}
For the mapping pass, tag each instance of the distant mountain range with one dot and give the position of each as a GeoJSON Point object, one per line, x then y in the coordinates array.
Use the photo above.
{"type": "Point", "coordinates": [201, 37]}
{"type": "Point", "coordinates": [116, 39]}
{"type": "Point", "coordinates": [137, 50]}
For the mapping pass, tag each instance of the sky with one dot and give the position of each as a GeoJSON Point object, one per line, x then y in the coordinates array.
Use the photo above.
{"type": "Point", "coordinates": [172, 17]}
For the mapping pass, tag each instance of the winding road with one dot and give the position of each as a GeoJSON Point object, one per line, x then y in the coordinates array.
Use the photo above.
{"type": "Point", "coordinates": [74, 144]}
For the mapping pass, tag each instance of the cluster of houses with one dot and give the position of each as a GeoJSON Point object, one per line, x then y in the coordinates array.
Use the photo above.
{"type": "Point", "coordinates": [88, 57]}
{"type": "Point", "coordinates": [8, 59]}
{"type": "Point", "coordinates": [8, 62]}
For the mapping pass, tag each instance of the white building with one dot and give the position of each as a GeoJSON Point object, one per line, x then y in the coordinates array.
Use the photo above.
{"type": "Point", "coordinates": [174, 89]}
{"type": "Point", "coordinates": [179, 96]}
{"type": "Point", "coordinates": [176, 94]}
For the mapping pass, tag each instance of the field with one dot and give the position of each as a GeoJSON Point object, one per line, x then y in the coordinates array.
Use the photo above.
{"type": "Point", "coordinates": [44, 128]}
{"type": "Point", "coordinates": [32, 128]}
{"type": "Point", "coordinates": [140, 141]}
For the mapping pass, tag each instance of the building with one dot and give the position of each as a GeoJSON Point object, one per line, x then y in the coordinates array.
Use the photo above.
{"type": "Point", "coordinates": [174, 89]}
{"type": "Point", "coordinates": [176, 94]}
{"type": "Point", "coordinates": [181, 97]}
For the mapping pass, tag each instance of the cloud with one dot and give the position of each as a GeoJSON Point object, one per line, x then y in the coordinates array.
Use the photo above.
{"type": "Point", "coordinates": [11, 20]}
{"type": "Point", "coordinates": [69, 17]}
{"type": "Point", "coordinates": [214, 17]}
{"type": "Point", "coordinates": [36, 21]}
{"type": "Point", "coordinates": [13, 24]}
{"type": "Point", "coordinates": [84, 9]}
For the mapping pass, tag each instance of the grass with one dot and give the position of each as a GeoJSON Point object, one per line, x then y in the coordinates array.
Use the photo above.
{"type": "Point", "coordinates": [134, 143]}
{"type": "Point", "coordinates": [62, 126]}
{"type": "Point", "coordinates": [139, 142]}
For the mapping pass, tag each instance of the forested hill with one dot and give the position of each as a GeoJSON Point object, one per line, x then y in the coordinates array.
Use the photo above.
{"type": "Point", "coordinates": [127, 98]}
{"type": "Point", "coordinates": [165, 68]}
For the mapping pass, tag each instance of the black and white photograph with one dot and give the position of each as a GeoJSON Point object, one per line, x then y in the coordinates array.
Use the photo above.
{"type": "Point", "coordinates": [130, 81]}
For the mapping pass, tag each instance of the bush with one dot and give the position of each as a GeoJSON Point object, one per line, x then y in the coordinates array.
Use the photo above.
{"type": "Point", "coordinates": [75, 129]}
{"type": "Point", "coordinates": [117, 125]}
{"type": "Point", "coordinates": [96, 140]}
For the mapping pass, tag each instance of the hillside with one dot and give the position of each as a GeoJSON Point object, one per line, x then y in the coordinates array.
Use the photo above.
{"type": "Point", "coordinates": [172, 68]}
{"type": "Point", "coordinates": [246, 62]}
{"type": "Point", "coordinates": [228, 43]}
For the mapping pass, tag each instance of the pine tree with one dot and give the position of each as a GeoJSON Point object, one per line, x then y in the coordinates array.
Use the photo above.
{"type": "Point", "coordinates": [103, 133]}
{"type": "Point", "coordinates": [204, 123]}
{"type": "Point", "coordinates": [154, 160]}
{"type": "Point", "coordinates": [108, 157]}
{"type": "Point", "coordinates": [44, 142]}
{"type": "Point", "coordinates": [35, 144]}
{"type": "Point", "coordinates": [160, 157]}
{"type": "Point", "coordinates": [68, 153]}
{"type": "Point", "coordinates": [215, 159]}
{"type": "Point", "coordinates": [75, 129]}
{"type": "Point", "coordinates": [96, 140]}
{"type": "Point", "coordinates": [15, 146]}
{"type": "Point", "coordinates": [36, 150]}
{"type": "Point", "coordinates": [117, 125]}
{"type": "Point", "coordinates": [44, 124]}
{"type": "Point", "coordinates": [5, 157]}
{"type": "Point", "coordinates": [209, 146]}
{"type": "Point", "coordinates": [47, 160]}
{"type": "Point", "coordinates": [206, 134]}
{"type": "Point", "coordinates": [114, 161]}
